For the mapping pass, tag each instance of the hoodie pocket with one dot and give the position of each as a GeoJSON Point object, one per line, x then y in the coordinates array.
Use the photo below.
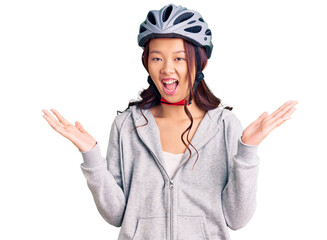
{"type": "Point", "coordinates": [151, 228]}
{"type": "Point", "coordinates": [192, 228]}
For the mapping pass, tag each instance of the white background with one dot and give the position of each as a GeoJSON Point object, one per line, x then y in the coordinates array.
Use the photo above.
{"type": "Point", "coordinates": [82, 59]}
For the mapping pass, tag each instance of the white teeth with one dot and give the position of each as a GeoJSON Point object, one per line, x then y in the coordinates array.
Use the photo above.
{"type": "Point", "coordinates": [170, 90]}
{"type": "Point", "coordinates": [169, 81]}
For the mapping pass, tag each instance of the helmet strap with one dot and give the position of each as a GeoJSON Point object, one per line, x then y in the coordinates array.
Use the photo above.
{"type": "Point", "coordinates": [199, 75]}
{"type": "Point", "coordinates": [180, 103]}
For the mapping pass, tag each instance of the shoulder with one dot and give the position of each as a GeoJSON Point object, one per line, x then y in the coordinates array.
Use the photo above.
{"type": "Point", "coordinates": [223, 116]}
{"type": "Point", "coordinates": [122, 117]}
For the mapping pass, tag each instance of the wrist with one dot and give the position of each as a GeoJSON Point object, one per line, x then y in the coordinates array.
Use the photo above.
{"type": "Point", "coordinates": [89, 148]}
{"type": "Point", "coordinates": [249, 141]}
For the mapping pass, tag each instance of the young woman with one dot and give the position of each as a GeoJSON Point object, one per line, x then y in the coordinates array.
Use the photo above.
{"type": "Point", "coordinates": [178, 165]}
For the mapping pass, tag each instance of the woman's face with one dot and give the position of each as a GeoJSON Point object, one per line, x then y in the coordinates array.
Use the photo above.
{"type": "Point", "coordinates": [167, 66]}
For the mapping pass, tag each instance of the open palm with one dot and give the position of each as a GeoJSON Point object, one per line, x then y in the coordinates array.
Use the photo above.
{"type": "Point", "coordinates": [75, 133]}
{"type": "Point", "coordinates": [261, 127]}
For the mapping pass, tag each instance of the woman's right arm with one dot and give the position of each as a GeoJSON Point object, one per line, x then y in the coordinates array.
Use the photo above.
{"type": "Point", "coordinates": [103, 177]}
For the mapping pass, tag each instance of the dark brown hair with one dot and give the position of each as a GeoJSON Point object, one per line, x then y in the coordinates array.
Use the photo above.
{"type": "Point", "coordinates": [203, 97]}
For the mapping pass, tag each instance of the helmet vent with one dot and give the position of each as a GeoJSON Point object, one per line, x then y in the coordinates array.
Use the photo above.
{"type": "Point", "coordinates": [195, 29]}
{"type": "Point", "coordinates": [208, 32]}
{"type": "Point", "coordinates": [201, 20]}
{"type": "Point", "coordinates": [183, 17]}
{"type": "Point", "coordinates": [142, 29]}
{"type": "Point", "coordinates": [167, 13]}
{"type": "Point", "coordinates": [151, 18]}
{"type": "Point", "coordinates": [191, 22]}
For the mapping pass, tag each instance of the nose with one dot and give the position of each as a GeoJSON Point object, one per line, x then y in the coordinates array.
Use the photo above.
{"type": "Point", "coordinates": [167, 67]}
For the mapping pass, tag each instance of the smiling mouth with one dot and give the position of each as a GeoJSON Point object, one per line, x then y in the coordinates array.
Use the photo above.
{"type": "Point", "coordinates": [170, 85]}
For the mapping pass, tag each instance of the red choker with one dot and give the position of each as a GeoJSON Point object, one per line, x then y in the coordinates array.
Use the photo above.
{"type": "Point", "coordinates": [181, 103]}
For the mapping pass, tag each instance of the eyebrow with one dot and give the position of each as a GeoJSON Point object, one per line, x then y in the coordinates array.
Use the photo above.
{"type": "Point", "coordinates": [154, 51]}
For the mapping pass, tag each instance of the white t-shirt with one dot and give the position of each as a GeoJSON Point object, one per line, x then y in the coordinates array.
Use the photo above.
{"type": "Point", "coordinates": [172, 161]}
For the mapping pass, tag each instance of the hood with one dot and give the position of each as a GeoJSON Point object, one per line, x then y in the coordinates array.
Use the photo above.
{"type": "Point", "coordinates": [150, 134]}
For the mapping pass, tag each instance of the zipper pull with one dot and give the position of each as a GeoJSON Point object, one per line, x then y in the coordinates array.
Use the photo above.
{"type": "Point", "coordinates": [171, 186]}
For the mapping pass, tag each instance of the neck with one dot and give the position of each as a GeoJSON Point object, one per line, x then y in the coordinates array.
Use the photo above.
{"type": "Point", "coordinates": [177, 112]}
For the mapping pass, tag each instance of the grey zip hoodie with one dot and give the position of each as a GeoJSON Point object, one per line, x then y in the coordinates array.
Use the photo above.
{"type": "Point", "coordinates": [132, 190]}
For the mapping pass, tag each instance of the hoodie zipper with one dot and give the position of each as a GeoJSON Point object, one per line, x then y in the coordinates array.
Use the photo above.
{"type": "Point", "coordinates": [171, 187]}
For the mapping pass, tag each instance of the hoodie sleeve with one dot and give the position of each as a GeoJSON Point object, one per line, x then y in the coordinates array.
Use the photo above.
{"type": "Point", "coordinates": [239, 194]}
{"type": "Point", "coordinates": [104, 179]}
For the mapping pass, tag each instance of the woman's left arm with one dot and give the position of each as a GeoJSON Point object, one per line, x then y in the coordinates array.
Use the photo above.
{"type": "Point", "coordinates": [239, 194]}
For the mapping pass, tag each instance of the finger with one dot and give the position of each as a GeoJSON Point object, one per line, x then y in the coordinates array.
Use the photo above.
{"type": "Point", "coordinates": [57, 126]}
{"type": "Point", "coordinates": [280, 109]}
{"type": "Point", "coordinates": [61, 118]}
{"type": "Point", "coordinates": [285, 117]}
{"type": "Point", "coordinates": [289, 113]}
{"type": "Point", "coordinates": [262, 116]}
{"type": "Point", "coordinates": [79, 126]}
{"type": "Point", "coordinates": [285, 110]}
{"type": "Point", "coordinates": [49, 115]}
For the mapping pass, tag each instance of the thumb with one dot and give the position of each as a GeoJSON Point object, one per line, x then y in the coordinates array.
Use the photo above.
{"type": "Point", "coordinates": [79, 126]}
{"type": "Point", "coordinates": [264, 115]}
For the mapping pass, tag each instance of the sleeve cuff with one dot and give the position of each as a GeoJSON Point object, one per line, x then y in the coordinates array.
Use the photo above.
{"type": "Point", "coordinates": [247, 153]}
{"type": "Point", "coordinates": [93, 157]}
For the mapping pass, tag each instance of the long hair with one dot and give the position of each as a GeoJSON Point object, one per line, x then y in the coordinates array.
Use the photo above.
{"type": "Point", "coordinates": [202, 97]}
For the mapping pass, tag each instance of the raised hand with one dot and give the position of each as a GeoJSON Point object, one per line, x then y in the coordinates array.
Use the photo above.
{"type": "Point", "coordinates": [76, 134]}
{"type": "Point", "coordinates": [261, 127]}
